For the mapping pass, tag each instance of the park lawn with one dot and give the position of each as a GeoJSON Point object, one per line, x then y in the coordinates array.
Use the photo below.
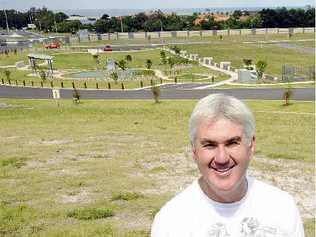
{"type": "Point", "coordinates": [196, 38]}
{"type": "Point", "coordinates": [310, 44]}
{"type": "Point", "coordinates": [235, 52]}
{"type": "Point", "coordinates": [188, 73]}
{"type": "Point", "coordinates": [126, 156]}
{"type": "Point", "coordinates": [12, 58]}
{"type": "Point", "coordinates": [281, 85]}
{"type": "Point", "coordinates": [78, 60]}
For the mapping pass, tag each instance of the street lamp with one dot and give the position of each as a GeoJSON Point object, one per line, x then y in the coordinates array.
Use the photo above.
{"type": "Point", "coordinates": [6, 20]}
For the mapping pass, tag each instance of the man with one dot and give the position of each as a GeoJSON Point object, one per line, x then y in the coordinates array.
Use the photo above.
{"type": "Point", "coordinates": [224, 201]}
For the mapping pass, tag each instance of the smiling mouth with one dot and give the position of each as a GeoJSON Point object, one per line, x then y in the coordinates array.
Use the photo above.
{"type": "Point", "coordinates": [222, 168]}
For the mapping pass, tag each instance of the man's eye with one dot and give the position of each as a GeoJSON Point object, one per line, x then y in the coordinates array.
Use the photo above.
{"type": "Point", "coordinates": [209, 145]}
{"type": "Point", "coordinates": [232, 143]}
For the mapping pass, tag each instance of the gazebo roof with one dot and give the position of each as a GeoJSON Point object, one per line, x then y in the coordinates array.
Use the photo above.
{"type": "Point", "coordinates": [40, 56]}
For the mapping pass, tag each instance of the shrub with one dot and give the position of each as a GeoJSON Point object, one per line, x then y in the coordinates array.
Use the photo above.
{"type": "Point", "coordinates": [149, 63]}
{"type": "Point", "coordinates": [128, 58]}
{"type": "Point", "coordinates": [114, 76]}
{"type": "Point", "coordinates": [7, 74]}
{"type": "Point", "coordinates": [42, 75]}
{"type": "Point", "coordinates": [14, 162]}
{"type": "Point", "coordinates": [126, 196]}
{"type": "Point", "coordinates": [90, 213]}
{"type": "Point", "coordinates": [76, 96]}
{"type": "Point", "coordinates": [261, 67]}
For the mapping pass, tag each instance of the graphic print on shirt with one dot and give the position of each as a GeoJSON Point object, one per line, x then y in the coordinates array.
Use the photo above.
{"type": "Point", "coordinates": [218, 230]}
{"type": "Point", "coordinates": [250, 227]}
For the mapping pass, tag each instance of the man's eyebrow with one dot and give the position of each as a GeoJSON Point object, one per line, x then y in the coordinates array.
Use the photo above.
{"type": "Point", "coordinates": [209, 141]}
{"type": "Point", "coordinates": [234, 139]}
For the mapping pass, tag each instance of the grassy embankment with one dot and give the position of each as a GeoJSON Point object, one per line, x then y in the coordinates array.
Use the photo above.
{"type": "Point", "coordinates": [103, 168]}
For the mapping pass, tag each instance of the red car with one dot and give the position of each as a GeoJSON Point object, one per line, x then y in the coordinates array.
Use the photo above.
{"type": "Point", "coordinates": [107, 48]}
{"type": "Point", "coordinates": [52, 46]}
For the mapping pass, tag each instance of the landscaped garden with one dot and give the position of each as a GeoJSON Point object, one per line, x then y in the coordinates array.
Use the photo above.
{"type": "Point", "coordinates": [235, 48]}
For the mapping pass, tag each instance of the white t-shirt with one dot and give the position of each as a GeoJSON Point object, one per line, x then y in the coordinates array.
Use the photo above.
{"type": "Point", "coordinates": [265, 211]}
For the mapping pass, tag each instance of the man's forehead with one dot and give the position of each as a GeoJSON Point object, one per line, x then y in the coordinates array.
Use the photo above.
{"type": "Point", "coordinates": [205, 121]}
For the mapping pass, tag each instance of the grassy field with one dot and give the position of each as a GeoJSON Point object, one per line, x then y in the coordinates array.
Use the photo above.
{"type": "Point", "coordinates": [104, 168]}
{"type": "Point", "coordinates": [235, 51]}
{"type": "Point", "coordinates": [230, 48]}
{"type": "Point", "coordinates": [76, 62]}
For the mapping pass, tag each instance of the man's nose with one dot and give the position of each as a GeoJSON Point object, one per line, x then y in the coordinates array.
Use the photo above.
{"type": "Point", "coordinates": [221, 156]}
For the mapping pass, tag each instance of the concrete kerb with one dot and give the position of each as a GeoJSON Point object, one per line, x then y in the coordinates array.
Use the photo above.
{"type": "Point", "coordinates": [233, 75]}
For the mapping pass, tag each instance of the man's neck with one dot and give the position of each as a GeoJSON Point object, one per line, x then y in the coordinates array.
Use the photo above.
{"type": "Point", "coordinates": [221, 196]}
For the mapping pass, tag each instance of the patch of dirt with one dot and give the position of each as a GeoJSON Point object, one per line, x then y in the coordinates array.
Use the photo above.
{"type": "Point", "coordinates": [172, 173]}
{"type": "Point", "coordinates": [82, 197]}
{"type": "Point", "coordinates": [133, 221]}
{"type": "Point", "coordinates": [9, 106]}
{"type": "Point", "coordinates": [51, 142]}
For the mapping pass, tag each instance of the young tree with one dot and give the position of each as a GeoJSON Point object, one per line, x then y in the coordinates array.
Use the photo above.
{"type": "Point", "coordinates": [171, 62]}
{"type": "Point", "coordinates": [156, 93]}
{"type": "Point", "coordinates": [114, 76]}
{"type": "Point", "coordinates": [163, 57]}
{"type": "Point", "coordinates": [287, 94]}
{"type": "Point", "coordinates": [149, 63]}
{"type": "Point", "coordinates": [122, 64]}
{"type": "Point", "coordinates": [7, 74]}
{"type": "Point", "coordinates": [261, 67]}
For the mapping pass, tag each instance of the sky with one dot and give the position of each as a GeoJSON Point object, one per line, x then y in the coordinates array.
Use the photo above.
{"type": "Point", "coordinates": [147, 4]}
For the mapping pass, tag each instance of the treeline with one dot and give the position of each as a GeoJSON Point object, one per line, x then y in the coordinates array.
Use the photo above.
{"type": "Point", "coordinates": [48, 21]}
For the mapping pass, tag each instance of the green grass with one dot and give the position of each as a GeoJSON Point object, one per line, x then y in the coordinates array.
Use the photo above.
{"type": "Point", "coordinates": [309, 227]}
{"type": "Point", "coordinates": [281, 85]}
{"type": "Point", "coordinates": [126, 196]}
{"type": "Point", "coordinates": [235, 51]}
{"type": "Point", "coordinates": [76, 159]}
{"type": "Point", "coordinates": [90, 213]}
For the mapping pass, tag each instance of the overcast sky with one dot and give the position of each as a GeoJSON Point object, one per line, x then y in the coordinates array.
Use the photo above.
{"type": "Point", "coordinates": [147, 4]}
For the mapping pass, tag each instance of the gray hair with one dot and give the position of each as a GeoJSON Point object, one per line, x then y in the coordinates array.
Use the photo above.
{"type": "Point", "coordinates": [216, 106]}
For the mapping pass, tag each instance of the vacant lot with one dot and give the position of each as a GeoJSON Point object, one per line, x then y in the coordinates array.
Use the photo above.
{"type": "Point", "coordinates": [104, 168]}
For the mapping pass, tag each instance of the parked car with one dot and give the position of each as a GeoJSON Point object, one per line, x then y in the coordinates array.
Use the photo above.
{"type": "Point", "coordinates": [107, 48]}
{"type": "Point", "coordinates": [54, 45]}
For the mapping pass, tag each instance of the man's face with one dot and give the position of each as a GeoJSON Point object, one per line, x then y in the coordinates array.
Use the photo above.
{"type": "Point", "coordinates": [222, 154]}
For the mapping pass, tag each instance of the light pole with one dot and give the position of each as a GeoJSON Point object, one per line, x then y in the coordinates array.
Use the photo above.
{"type": "Point", "coordinates": [121, 24]}
{"type": "Point", "coordinates": [6, 20]}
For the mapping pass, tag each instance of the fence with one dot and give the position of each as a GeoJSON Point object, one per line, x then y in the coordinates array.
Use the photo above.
{"type": "Point", "coordinates": [188, 34]}
{"type": "Point", "coordinates": [295, 73]}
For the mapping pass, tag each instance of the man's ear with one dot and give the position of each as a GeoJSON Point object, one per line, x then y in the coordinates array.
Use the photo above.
{"type": "Point", "coordinates": [194, 155]}
{"type": "Point", "coordinates": [253, 145]}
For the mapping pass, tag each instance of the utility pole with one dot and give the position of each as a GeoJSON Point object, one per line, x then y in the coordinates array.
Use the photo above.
{"type": "Point", "coordinates": [55, 23]}
{"type": "Point", "coordinates": [161, 29]}
{"type": "Point", "coordinates": [6, 20]}
{"type": "Point", "coordinates": [121, 24]}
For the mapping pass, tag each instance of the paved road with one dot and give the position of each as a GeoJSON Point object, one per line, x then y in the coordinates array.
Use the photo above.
{"type": "Point", "coordinates": [179, 91]}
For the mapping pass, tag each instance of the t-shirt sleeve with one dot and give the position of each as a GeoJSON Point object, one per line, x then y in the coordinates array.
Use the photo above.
{"type": "Point", "coordinates": [159, 227]}
{"type": "Point", "coordinates": [298, 228]}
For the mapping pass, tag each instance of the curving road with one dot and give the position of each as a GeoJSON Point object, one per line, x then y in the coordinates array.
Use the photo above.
{"type": "Point", "coordinates": [168, 91]}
